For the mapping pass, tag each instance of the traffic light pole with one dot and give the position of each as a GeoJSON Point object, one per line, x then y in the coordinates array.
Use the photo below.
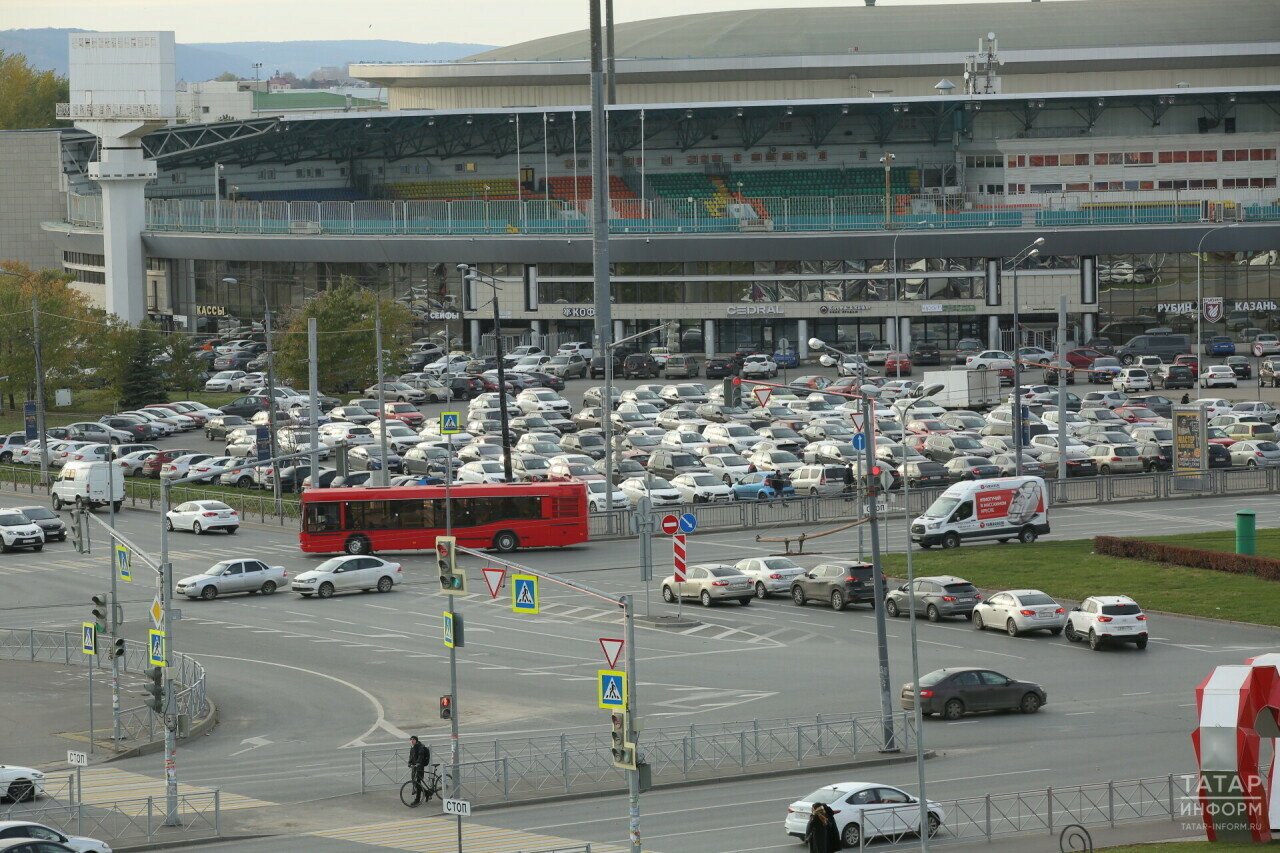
{"type": "Point", "coordinates": [114, 624]}
{"type": "Point", "coordinates": [455, 759]}
{"type": "Point", "coordinates": [877, 574]}
{"type": "Point", "coordinates": [633, 733]}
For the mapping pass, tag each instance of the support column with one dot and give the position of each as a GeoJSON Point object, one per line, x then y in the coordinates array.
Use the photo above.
{"type": "Point", "coordinates": [905, 334]}
{"type": "Point", "coordinates": [802, 332]}
{"type": "Point", "coordinates": [890, 333]}
{"type": "Point", "coordinates": [709, 338]}
{"type": "Point", "coordinates": [993, 332]}
{"type": "Point", "coordinates": [535, 326]}
{"type": "Point", "coordinates": [475, 335]}
{"type": "Point", "coordinates": [617, 330]}
{"type": "Point", "coordinates": [1086, 327]}
{"type": "Point", "coordinates": [122, 174]}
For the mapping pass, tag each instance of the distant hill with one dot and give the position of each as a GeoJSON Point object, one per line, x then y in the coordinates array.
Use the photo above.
{"type": "Point", "coordinates": [47, 48]}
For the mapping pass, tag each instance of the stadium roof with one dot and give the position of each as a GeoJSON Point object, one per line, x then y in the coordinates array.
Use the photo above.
{"type": "Point", "coordinates": [308, 100]}
{"type": "Point", "coordinates": [916, 28]}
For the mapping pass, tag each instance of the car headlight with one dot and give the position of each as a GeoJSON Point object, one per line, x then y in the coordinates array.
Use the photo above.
{"type": "Point", "coordinates": [933, 525]}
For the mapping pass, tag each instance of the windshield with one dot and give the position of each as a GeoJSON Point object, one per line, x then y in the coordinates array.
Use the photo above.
{"type": "Point", "coordinates": [942, 507]}
{"type": "Point", "coordinates": [330, 564]}
{"type": "Point", "coordinates": [218, 568]}
{"type": "Point", "coordinates": [705, 480]}
{"type": "Point", "coordinates": [10, 519]}
{"type": "Point", "coordinates": [965, 443]}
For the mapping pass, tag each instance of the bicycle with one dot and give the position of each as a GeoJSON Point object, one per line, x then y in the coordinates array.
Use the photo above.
{"type": "Point", "coordinates": [429, 787]}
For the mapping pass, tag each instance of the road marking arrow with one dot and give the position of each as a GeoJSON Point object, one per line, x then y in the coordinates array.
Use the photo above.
{"type": "Point", "coordinates": [254, 743]}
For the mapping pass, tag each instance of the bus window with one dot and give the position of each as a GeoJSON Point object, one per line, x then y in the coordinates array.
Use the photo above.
{"type": "Point", "coordinates": [323, 518]}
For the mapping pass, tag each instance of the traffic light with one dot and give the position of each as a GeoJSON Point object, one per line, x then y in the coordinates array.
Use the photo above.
{"type": "Point", "coordinates": [446, 707]}
{"type": "Point", "coordinates": [451, 580]}
{"type": "Point", "coordinates": [155, 689]}
{"type": "Point", "coordinates": [732, 391]}
{"type": "Point", "coordinates": [100, 612]}
{"type": "Point", "coordinates": [623, 751]}
{"type": "Point", "coordinates": [117, 648]}
{"type": "Point", "coordinates": [873, 484]}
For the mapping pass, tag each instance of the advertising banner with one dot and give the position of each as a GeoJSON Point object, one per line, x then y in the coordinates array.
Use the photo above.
{"type": "Point", "coordinates": [1016, 506]}
{"type": "Point", "coordinates": [1190, 438]}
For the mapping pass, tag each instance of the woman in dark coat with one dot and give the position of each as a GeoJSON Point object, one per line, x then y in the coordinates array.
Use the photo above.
{"type": "Point", "coordinates": [821, 831]}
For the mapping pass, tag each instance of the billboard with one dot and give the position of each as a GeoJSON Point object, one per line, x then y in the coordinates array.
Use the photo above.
{"type": "Point", "coordinates": [1190, 440]}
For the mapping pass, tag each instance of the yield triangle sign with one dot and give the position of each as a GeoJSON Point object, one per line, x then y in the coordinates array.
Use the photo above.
{"type": "Point", "coordinates": [612, 648]}
{"type": "Point", "coordinates": [493, 579]}
{"type": "Point", "coordinates": [761, 395]}
{"type": "Point", "coordinates": [859, 422]}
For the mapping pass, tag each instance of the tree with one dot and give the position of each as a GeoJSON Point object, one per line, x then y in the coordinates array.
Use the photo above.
{"type": "Point", "coordinates": [142, 382]}
{"type": "Point", "coordinates": [67, 326]}
{"type": "Point", "coordinates": [226, 77]}
{"type": "Point", "coordinates": [185, 372]}
{"type": "Point", "coordinates": [28, 96]}
{"type": "Point", "coordinates": [346, 353]}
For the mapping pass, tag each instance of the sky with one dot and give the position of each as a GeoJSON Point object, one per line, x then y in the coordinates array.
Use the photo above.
{"type": "Point", "coordinates": [499, 22]}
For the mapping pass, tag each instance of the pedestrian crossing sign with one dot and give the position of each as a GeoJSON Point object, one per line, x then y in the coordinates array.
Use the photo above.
{"type": "Point", "coordinates": [524, 593]}
{"type": "Point", "coordinates": [450, 423]}
{"type": "Point", "coordinates": [612, 688]}
{"type": "Point", "coordinates": [448, 630]}
{"type": "Point", "coordinates": [89, 638]}
{"type": "Point", "coordinates": [124, 563]}
{"type": "Point", "coordinates": [156, 654]}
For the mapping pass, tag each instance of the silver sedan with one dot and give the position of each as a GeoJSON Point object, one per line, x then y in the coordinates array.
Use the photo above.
{"type": "Point", "coordinates": [1017, 611]}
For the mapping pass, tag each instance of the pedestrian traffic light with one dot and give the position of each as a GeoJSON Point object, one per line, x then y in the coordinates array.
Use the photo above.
{"type": "Point", "coordinates": [732, 391]}
{"type": "Point", "coordinates": [117, 648]}
{"type": "Point", "coordinates": [623, 751]}
{"type": "Point", "coordinates": [446, 707]}
{"type": "Point", "coordinates": [155, 689]}
{"type": "Point", "coordinates": [452, 580]}
{"type": "Point", "coordinates": [100, 612]}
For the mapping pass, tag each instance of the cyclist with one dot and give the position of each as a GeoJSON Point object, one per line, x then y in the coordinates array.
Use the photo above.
{"type": "Point", "coordinates": [419, 758]}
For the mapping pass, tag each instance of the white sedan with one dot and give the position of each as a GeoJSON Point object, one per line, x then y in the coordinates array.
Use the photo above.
{"type": "Point", "coordinates": [1218, 376]}
{"type": "Point", "coordinates": [861, 809]}
{"type": "Point", "coordinates": [992, 359]}
{"type": "Point", "coordinates": [20, 783]}
{"type": "Point", "coordinates": [596, 497]}
{"type": "Point", "coordinates": [226, 380]}
{"type": "Point", "coordinates": [701, 487]}
{"type": "Point", "coordinates": [1017, 611]}
{"type": "Point", "coordinates": [199, 516]}
{"type": "Point", "coordinates": [353, 571]}
{"type": "Point", "coordinates": [10, 829]}
{"type": "Point", "coordinates": [659, 491]}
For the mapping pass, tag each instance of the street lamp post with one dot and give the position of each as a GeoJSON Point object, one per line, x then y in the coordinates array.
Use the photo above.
{"type": "Point", "coordinates": [1200, 296]}
{"type": "Point", "coordinates": [1030, 251]}
{"type": "Point", "coordinates": [897, 319]}
{"type": "Point", "coordinates": [887, 161]}
{"type": "Point", "coordinates": [271, 386]}
{"type": "Point", "coordinates": [916, 715]}
{"type": "Point", "coordinates": [606, 417]}
{"type": "Point", "coordinates": [868, 393]}
{"type": "Point", "coordinates": [471, 274]}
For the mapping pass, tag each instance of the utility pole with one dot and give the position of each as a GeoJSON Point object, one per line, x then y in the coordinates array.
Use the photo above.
{"type": "Point", "coordinates": [608, 44]}
{"type": "Point", "coordinates": [877, 573]}
{"type": "Point", "coordinates": [44, 439]}
{"type": "Point", "coordinates": [114, 623]}
{"type": "Point", "coordinates": [602, 296]}
{"type": "Point", "coordinates": [165, 581]}
{"type": "Point", "coordinates": [1062, 389]}
{"type": "Point", "coordinates": [644, 528]}
{"type": "Point", "coordinates": [384, 476]}
{"type": "Point", "coordinates": [633, 735]}
{"type": "Point", "coordinates": [312, 369]}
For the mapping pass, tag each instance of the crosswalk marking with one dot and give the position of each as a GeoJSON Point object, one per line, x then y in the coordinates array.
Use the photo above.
{"type": "Point", "coordinates": [439, 834]}
{"type": "Point", "coordinates": [102, 785]}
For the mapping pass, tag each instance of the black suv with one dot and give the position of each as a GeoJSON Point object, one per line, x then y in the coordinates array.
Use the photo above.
{"type": "Point", "coordinates": [719, 368]}
{"type": "Point", "coordinates": [640, 366]}
{"type": "Point", "coordinates": [925, 352]}
{"type": "Point", "coordinates": [838, 583]}
{"type": "Point", "coordinates": [1177, 376]}
{"type": "Point", "coordinates": [596, 369]}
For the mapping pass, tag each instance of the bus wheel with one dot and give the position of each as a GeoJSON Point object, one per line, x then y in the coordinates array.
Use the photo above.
{"type": "Point", "coordinates": [357, 545]}
{"type": "Point", "coordinates": [505, 541]}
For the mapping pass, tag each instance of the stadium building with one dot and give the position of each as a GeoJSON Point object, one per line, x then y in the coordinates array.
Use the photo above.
{"type": "Point", "coordinates": [857, 174]}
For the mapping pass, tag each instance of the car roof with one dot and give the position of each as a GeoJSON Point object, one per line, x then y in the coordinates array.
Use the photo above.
{"type": "Point", "coordinates": [943, 579]}
{"type": "Point", "coordinates": [1113, 599]}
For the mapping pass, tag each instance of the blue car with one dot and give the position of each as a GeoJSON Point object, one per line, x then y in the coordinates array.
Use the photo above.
{"type": "Point", "coordinates": [786, 359]}
{"type": "Point", "coordinates": [1222, 345]}
{"type": "Point", "coordinates": [753, 487]}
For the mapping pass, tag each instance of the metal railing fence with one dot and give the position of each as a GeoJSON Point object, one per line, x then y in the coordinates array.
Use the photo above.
{"type": "Point", "coordinates": [507, 769]}
{"type": "Point", "coordinates": [138, 722]}
{"type": "Point", "coordinates": [124, 821]}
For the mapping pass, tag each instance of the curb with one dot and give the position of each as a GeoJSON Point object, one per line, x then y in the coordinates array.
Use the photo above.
{"type": "Point", "coordinates": [188, 842]}
{"type": "Point", "coordinates": [201, 727]}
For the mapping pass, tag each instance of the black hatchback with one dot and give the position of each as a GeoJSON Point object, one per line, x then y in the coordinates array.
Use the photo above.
{"type": "Point", "coordinates": [837, 583]}
{"type": "Point", "coordinates": [47, 520]}
{"type": "Point", "coordinates": [956, 691]}
{"type": "Point", "coordinates": [719, 368]}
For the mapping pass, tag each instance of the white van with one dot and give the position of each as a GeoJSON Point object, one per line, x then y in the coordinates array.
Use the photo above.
{"type": "Point", "coordinates": [85, 483]}
{"type": "Point", "coordinates": [1004, 508]}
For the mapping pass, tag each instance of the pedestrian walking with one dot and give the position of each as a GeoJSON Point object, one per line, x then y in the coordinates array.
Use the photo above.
{"type": "Point", "coordinates": [821, 833]}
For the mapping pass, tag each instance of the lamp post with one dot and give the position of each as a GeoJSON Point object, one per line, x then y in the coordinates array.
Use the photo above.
{"type": "Point", "coordinates": [1200, 296]}
{"type": "Point", "coordinates": [471, 274]}
{"type": "Point", "coordinates": [271, 387]}
{"type": "Point", "coordinates": [217, 197]}
{"type": "Point", "coordinates": [897, 320]}
{"type": "Point", "coordinates": [887, 161]}
{"type": "Point", "coordinates": [916, 714]}
{"type": "Point", "coordinates": [606, 418]}
{"type": "Point", "coordinates": [868, 393]}
{"type": "Point", "coordinates": [1029, 251]}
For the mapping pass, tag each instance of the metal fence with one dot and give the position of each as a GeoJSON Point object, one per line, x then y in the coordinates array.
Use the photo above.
{"type": "Point", "coordinates": [1039, 812]}
{"type": "Point", "coordinates": [123, 821]}
{"type": "Point", "coordinates": [693, 215]}
{"type": "Point", "coordinates": [138, 723]}
{"type": "Point", "coordinates": [502, 770]}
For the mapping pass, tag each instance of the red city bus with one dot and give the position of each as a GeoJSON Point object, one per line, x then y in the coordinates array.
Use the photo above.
{"type": "Point", "coordinates": [503, 517]}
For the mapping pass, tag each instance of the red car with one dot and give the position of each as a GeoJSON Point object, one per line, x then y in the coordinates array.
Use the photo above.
{"type": "Point", "coordinates": [897, 364]}
{"type": "Point", "coordinates": [1217, 435]}
{"type": "Point", "coordinates": [1191, 361]}
{"type": "Point", "coordinates": [406, 413]}
{"type": "Point", "coordinates": [1137, 414]}
{"type": "Point", "coordinates": [151, 468]}
{"type": "Point", "coordinates": [1078, 359]}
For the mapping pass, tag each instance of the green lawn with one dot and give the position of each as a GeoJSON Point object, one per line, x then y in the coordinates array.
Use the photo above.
{"type": "Point", "coordinates": [1189, 847]}
{"type": "Point", "coordinates": [91, 405]}
{"type": "Point", "coordinates": [1071, 570]}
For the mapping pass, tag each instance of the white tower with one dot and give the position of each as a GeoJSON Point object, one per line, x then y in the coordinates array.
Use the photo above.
{"type": "Point", "coordinates": [122, 87]}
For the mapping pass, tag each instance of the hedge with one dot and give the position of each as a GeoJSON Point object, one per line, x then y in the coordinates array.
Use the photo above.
{"type": "Point", "coordinates": [1178, 555]}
